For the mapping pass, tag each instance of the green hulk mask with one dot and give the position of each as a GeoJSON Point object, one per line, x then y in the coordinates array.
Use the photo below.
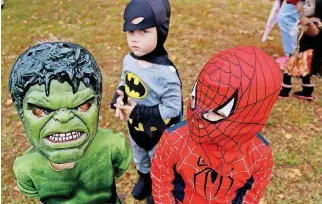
{"type": "Point", "coordinates": [56, 88]}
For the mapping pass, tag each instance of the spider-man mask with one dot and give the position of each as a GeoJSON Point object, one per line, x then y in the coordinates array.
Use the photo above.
{"type": "Point", "coordinates": [233, 96]}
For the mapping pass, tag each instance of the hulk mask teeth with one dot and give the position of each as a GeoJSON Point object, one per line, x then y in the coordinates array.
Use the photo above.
{"type": "Point", "coordinates": [65, 137]}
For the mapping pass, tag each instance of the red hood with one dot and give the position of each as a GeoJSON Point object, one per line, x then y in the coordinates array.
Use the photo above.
{"type": "Point", "coordinates": [241, 85]}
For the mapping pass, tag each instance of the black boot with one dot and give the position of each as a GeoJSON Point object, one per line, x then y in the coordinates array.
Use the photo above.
{"type": "Point", "coordinates": [286, 86]}
{"type": "Point", "coordinates": [149, 199]}
{"type": "Point", "coordinates": [306, 92]}
{"type": "Point", "coordinates": [143, 186]}
{"type": "Point", "coordinates": [285, 90]}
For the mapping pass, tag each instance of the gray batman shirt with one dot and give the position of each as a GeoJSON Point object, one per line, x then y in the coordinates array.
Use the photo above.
{"type": "Point", "coordinates": [157, 84]}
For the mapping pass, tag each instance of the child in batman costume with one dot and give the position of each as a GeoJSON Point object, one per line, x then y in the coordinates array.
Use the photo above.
{"type": "Point", "coordinates": [57, 88]}
{"type": "Point", "coordinates": [150, 82]}
{"type": "Point", "coordinates": [217, 155]}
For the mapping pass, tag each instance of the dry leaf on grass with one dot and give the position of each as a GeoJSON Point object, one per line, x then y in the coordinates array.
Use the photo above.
{"type": "Point", "coordinates": [270, 38]}
{"type": "Point", "coordinates": [294, 173]}
{"type": "Point", "coordinates": [288, 136]}
{"type": "Point", "coordinates": [18, 124]}
{"type": "Point", "coordinates": [262, 201]}
{"type": "Point", "coordinates": [8, 102]}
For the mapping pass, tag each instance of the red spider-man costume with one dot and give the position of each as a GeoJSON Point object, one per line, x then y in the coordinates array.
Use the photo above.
{"type": "Point", "coordinates": [221, 159]}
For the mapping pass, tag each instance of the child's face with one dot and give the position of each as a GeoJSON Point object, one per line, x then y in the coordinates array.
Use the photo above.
{"type": "Point", "coordinates": [309, 8]}
{"type": "Point", "coordinates": [142, 42]}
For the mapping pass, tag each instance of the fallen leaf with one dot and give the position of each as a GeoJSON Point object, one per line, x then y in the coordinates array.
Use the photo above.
{"type": "Point", "coordinates": [280, 195]}
{"type": "Point", "coordinates": [297, 172]}
{"type": "Point", "coordinates": [262, 201]}
{"type": "Point", "coordinates": [19, 124]}
{"type": "Point", "coordinates": [288, 136]}
{"type": "Point", "coordinates": [270, 38]}
{"type": "Point", "coordinates": [8, 102]}
{"type": "Point", "coordinates": [294, 173]}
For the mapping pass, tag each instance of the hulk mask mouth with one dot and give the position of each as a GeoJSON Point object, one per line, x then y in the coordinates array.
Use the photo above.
{"type": "Point", "coordinates": [65, 137]}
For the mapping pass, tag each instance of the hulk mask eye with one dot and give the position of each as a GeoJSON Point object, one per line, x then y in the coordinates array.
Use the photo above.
{"type": "Point", "coordinates": [39, 111]}
{"type": "Point", "coordinates": [84, 107]}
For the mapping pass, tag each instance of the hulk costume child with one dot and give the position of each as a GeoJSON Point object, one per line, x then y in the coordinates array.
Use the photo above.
{"type": "Point", "coordinates": [56, 88]}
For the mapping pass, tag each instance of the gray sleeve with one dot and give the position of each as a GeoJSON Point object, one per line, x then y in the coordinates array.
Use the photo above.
{"type": "Point", "coordinates": [171, 100]}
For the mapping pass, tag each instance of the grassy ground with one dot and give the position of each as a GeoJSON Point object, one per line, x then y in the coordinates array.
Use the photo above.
{"type": "Point", "coordinates": [198, 30]}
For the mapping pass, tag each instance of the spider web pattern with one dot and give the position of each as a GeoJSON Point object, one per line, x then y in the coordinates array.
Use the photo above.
{"type": "Point", "coordinates": [254, 76]}
{"type": "Point", "coordinates": [215, 159]}
{"type": "Point", "coordinates": [177, 150]}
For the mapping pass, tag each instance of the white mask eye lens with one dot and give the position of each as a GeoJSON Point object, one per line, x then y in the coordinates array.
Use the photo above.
{"type": "Point", "coordinates": [193, 97]}
{"type": "Point", "coordinates": [213, 116]}
{"type": "Point", "coordinates": [220, 114]}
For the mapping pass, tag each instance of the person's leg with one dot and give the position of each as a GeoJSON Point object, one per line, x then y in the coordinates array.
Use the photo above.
{"type": "Point", "coordinates": [286, 19]}
{"type": "Point", "coordinates": [151, 152]}
{"type": "Point", "coordinates": [142, 161]}
{"type": "Point", "coordinates": [307, 90]}
{"type": "Point", "coordinates": [286, 86]}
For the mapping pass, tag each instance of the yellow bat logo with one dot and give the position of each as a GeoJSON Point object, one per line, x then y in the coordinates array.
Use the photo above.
{"type": "Point", "coordinates": [134, 87]}
{"type": "Point", "coordinates": [140, 125]}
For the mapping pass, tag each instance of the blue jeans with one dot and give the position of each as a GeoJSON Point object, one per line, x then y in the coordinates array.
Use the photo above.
{"type": "Point", "coordinates": [141, 157]}
{"type": "Point", "coordinates": [286, 19]}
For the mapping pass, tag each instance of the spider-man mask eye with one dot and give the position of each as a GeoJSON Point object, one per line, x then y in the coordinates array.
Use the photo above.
{"type": "Point", "coordinates": [193, 97]}
{"type": "Point", "coordinates": [222, 112]}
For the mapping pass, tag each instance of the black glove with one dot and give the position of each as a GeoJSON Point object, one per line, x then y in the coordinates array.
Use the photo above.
{"type": "Point", "coordinates": [116, 95]}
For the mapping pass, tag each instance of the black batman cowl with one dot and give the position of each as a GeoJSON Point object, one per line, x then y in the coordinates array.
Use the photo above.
{"type": "Point", "coordinates": [156, 13]}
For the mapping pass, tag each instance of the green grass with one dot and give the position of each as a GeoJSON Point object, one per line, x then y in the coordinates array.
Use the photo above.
{"type": "Point", "coordinates": [198, 30]}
